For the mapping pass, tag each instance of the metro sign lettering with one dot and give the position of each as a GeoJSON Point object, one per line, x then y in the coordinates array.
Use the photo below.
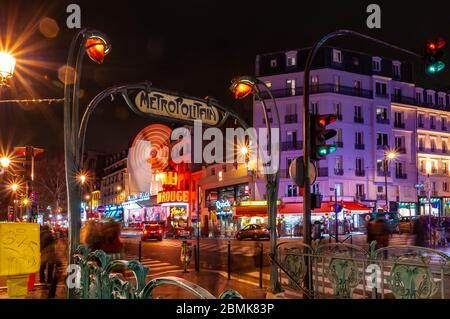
{"type": "Point", "coordinates": [173, 197]}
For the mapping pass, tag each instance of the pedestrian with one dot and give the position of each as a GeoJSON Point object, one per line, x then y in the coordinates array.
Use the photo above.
{"type": "Point", "coordinates": [370, 230]}
{"type": "Point", "coordinates": [49, 261]}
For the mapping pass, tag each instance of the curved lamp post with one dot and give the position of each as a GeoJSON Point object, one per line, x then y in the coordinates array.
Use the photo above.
{"type": "Point", "coordinates": [96, 46]}
{"type": "Point", "coordinates": [389, 155]}
{"type": "Point", "coordinates": [242, 87]}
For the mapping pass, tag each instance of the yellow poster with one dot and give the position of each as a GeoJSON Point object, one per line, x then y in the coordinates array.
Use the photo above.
{"type": "Point", "coordinates": [19, 248]}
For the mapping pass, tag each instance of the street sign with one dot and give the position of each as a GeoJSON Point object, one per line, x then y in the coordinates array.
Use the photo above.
{"type": "Point", "coordinates": [101, 209]}
{"type": "Point", "coordinates": [296, 171]}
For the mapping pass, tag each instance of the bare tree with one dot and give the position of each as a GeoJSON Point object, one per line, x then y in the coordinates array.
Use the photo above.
{"type": "Point", "coordinates": [50, 184]}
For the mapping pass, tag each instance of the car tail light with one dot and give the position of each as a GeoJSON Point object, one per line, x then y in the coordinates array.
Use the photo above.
{"type": "Point", "coordinates": [160, 231]}
{"type": "Point", "coordinates": [145, 232]}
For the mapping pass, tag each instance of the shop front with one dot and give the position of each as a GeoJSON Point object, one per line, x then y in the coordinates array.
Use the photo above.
{"type": "Point", "coordinates": [446, 207]}
{"type": "Point", "coordinates": [141, 208]}
{"type": "Point", "coordinates": [407, 209]}
{"type": "Point", "coordinates": [432, 207]}
{"type": "Point", "coordinates": [176, 205]}
{"type": "Point", "coordinates": [221, 204]}
{"type": "Point", "coordinates": [114, 211]}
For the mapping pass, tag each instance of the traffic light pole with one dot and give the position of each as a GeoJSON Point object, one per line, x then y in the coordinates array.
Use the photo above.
{"type": "Point", "coordinates": [306, 125]}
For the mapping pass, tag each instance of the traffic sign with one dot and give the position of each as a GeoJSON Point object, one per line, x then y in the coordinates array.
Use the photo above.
{"type": "Point", "coordinates": [296, 171]}
{"type": "Point", "coordinates": [101, 209]}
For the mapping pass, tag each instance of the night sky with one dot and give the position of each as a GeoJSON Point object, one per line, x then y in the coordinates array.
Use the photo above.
{"type": "Point", "coordinates": [194, 47]}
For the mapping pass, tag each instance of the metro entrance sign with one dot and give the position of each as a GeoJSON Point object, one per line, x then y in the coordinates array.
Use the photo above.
{"type": "Point", "coordinates": [101, 209]}
{"type": "Point", "coordinates": [173, 106]}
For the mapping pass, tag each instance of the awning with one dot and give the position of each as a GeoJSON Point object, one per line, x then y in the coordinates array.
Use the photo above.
{"type": "Point", "coordinates": [243, 211]}
{"type": "Point", "coordinates": [326, 207]}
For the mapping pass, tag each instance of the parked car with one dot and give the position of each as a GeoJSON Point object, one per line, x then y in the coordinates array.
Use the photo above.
{"type": "Point", "coordinates": [181, 232]}
{"type": "Point", "coordinates": [152, 231]}
{"type": "Point", "coordinates": [253, 231]}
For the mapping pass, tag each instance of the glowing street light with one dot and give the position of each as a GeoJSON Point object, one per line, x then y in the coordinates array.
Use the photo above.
{"type": "Point", "coordinates": [14, 187]}
{"type": "Point", "coordinates": [389, 155]}
{"type": "Point", "coordinates": [5, 161]}
{"type": "Point", "coordinates": [242, 86]}
{"type": "Point", "coordinates": [82, 178]}
{"type": "Point", "coordinates": [25, 201]}
{"type": "Point", "coordinates": [244, 150]}
{"type": "Point", "coordinates": [88, 197]}
{"type": "Point", "coordinates": [7, 65]}
{"type": "Point", "coordinates": [97, 47]}
{"type": "Point", "coordinates": [119, 188]}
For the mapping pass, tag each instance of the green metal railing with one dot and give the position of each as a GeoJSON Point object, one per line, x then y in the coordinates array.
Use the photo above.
{"type": "Point", "coordinates": [348, 271]}
{"type": "Point", "coordinates": [103, 277]}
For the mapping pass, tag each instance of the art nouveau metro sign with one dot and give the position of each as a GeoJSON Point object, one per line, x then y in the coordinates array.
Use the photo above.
{"type": "Point", "coordinates": [171, 106]}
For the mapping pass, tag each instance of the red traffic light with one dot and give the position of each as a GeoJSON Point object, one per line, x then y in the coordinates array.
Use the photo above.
{"type": "Point", "coordinates": [326, 119]}
{"type": "Point", "coordinates": [434, 45]}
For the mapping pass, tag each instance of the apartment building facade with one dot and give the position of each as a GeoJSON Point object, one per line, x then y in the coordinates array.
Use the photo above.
{"type": "Point", "coordinates": [378, 108]}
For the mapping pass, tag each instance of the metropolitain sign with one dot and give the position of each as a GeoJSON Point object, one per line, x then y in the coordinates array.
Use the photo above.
{"type": "Point", "coordinates": [172, 106]}
{"type": "Point", "coordinates": [172, 197]}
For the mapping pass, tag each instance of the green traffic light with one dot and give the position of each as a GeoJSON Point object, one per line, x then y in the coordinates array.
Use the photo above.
{"type": "Point", "coordinates": [326, 149]}
{"type": "Point", "coordinates": [435, 67]}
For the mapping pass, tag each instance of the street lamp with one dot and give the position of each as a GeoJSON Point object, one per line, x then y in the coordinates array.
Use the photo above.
{"type": "Point", "coordinates": [7, 65]}
{"type": "Point", "coordinates": [389, 155]}
{"type": "Point", "coordinates": [241, 87]}
{"type": "Point", "coordinates": [5, 161]}
{"type": "Point", "coordinates": [96, 46]}
{"type": "Point", "coordinates": [82, 178]}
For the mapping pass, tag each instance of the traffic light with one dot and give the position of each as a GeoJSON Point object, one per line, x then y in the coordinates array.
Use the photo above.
{"type": "Point", "coordinates": [319, 134]}
{"type": "Point", "coordinates": [433, 56]}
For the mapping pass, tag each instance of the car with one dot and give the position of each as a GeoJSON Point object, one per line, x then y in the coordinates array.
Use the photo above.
{"type": "Point", "coordinates": [253, 231]}
{"type": "Point", "coordinates": [152, 231]}
{"type": "Point", "coordinates": [180, 232]}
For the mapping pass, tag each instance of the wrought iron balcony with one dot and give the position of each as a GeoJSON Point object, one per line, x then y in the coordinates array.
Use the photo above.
{"type": "Point", "coordinates": [444, 128]}
{"type": "Point", "coordinates": [401, 150]}
{"type": "Point", "coordinates": [399, 124]}
{"type": "Point", "coordinates": [381, 196]}
{"type": "Point", "coordinates": [360, 173]}
{"type": "Point", "coordinates": [420, 125]}
{"type": "Point", "coordinates": [433, 126]}
{"type": "Point", "coordinates": [291, 145]}
{"type": "Point", "coordinates": [339, 171]}
{"type": "Point", "coordinates": [323, 171]}
{"type": "Point", "coordinates": [358, 119]}
{"type": "Point", "coordinates": [360, 196]}
{"type": "Point", "coordinates": [339, 144]}
{"type": "Point", "coordinates": [401, 175]}
{"type": "Point", "coordinates": [359, 146]}
{"type": "Point", "coordinates": [381, 173]}
{"type": "Point", "coordinates": [291, 118]}
{"type": "Point", "coordinates": [382, 120]}
{"type": "Point", "coordinates": [382, 147]}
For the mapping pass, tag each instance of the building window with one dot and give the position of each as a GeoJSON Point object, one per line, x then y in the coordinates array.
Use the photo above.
{"type": "Point", "coordinates": [355, 61]}
{"type": "Point", "coordinates": [380, 166]}
{"type": "Point", "coordinates": [338, 162]}
{"type": "Point", "coordinates": [443, 123]}
{"type": "Point", "coordinates": [418, 97]}
{"type": "Point", "coordinates": [339, 142]}
{"type": "Point", "coordinates": [420, 121]}
{"type": "Point", "coordinates": [291, 61]}
{"type": "Point", "coordinates": [315, 108]}
{"type": "Point", "coordinates": [433, 144]}
{"type": "Point", "coordinates": [290, 85]}
{"type": "Point", "coordinates": [338, 111]}
{"type": "Point", "coordinates": [314, 83]}
{"type": "Point", "coordinates": [339, 189]}
{"type": "Point", "coordinates": [357, 111]}
{"type": "Point", "coordinates": [359, 140]}
{"type": "Point", "coordinates": [432, 122]}
{"type": "Point", "coordinates": [396, 69]}
{"type": "Point", "coordinates": [445, 168]}
{"type": "Point", "coordinates": [421, 143]}
{"type": "Point", "coordinates": [292, 191]}
{"type": "Point", "coordinates": [273, 63]}
{"type": "Point", "coordinates": [382, 114]}
{"type": "Point", "coordinates": [337, 56]}
{"type": "Point", "coordinates": [398, 93]}
{"type": "Point", "coordinates": [445, 187]}
{"type": "Point", "coordinates": [376, 64]}
{"type": "Point", "coordinates": [429, 98]}
{"type": "Point", "coordinates": [359, 190]}
{"type": "Point", "coordinates": [213, 171]}
{"type": "Point", "coordinates": [337, 83]}
{"type": "Point", "coordinates": [357, 86]}
{"type": "Point", "coordinates": [380, 189]}
{"type": "Point", "coordinates": [444, 146]}
{"type": "Point", "coordinates": [381, 89]}
{"type": "Point", "coordinates": [382, 140]}
{"type": "Point", "coordinates": [359, 164]}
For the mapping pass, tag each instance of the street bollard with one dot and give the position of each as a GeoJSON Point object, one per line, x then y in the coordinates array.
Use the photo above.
{"type": "Point", "coordinates": [261, 266]}
{"type": "Point", "coordinates": [195, 258]}
{"type": "Point", "coordinates": [140, 251]}
{"type": "Point", "coordinates": [186, 254]}
{"type": "Point", "coordinates": [229, 259]}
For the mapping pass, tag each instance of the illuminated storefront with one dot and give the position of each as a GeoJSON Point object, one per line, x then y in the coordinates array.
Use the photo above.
{"type": "Point", "coordinates": [142, 208]}
{"type": "Point", "coordinates": [434, 206]}
{"type": "Point", "coordinates": [174, 199]}
{"type": "Point", "coordinates": [221, 203]}
{"type": "Point", "coordinates": [407, 209]}
{"type": "Point", "coordinates": [114, 211]}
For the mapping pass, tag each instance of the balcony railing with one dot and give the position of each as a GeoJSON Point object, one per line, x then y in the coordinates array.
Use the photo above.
{"type": "Point", "coordinates": [381, 94]}
{"type": "Point", "coordinates": [443, 128]}
{"type": "Point", "coordinates": [359, 146]}
{"type": "Point", "coordinates": [400, 175]}
{"type": "Point", "coordinates": [291, 145]}
{"type": "Point", "coordinates": [382, 121]}
{"type": "Point", "coordinates": [432, 126]}
{"type": "Point", "coordinates": [420, 125]}
{"type": "Point", "coordinates": [401, 150]}
{"type": "Point", "coordinates": [382, 147]}
{"type": "Point", "coordinates": [291, 118]}
{"type": "Point", "coordinates": [399, 124]}
{"type": "Point", "coordinates": [360, 196]}
{"type": "Point", "coordinates": [339, 144]}
{"type": "Point", "coordinates": [323, 171]}
{"type": "Point", "coordinates": [339, 171]}
{"type": "Point", "coordinates": [381, 173]}
{"type": "Point", "coordinates": [381, 197]}
{"type": "Point", "coordinates": [360, 173]}
{"type": "Point", "coordinates": [358, 119]}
